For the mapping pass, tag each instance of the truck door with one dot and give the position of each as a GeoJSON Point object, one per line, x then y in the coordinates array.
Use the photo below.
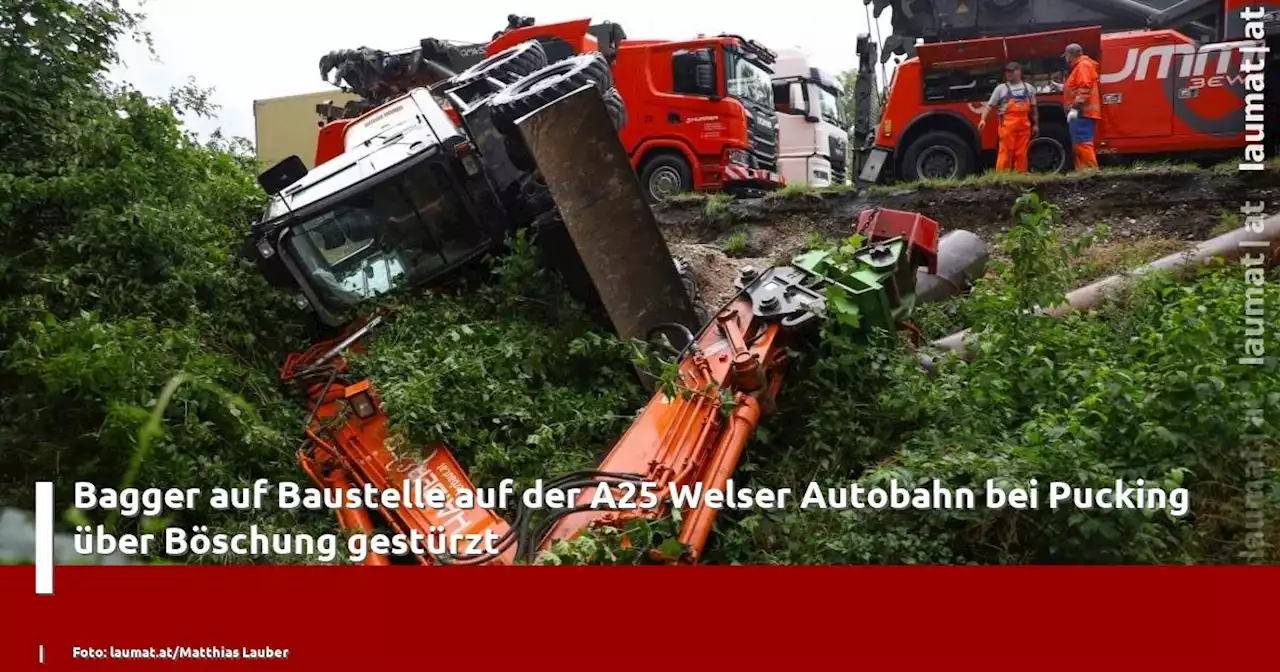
{"type": "Point", "coordinates": [686, 77]}
{"type": "Point", "coordinates": [1138, 85]}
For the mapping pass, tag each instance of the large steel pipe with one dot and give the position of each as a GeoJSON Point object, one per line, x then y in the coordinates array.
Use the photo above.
{"type": "Point", "coordinates": [576, 147]}
{"type": "Point", "coordinates": [1246, 240]}
{"type": "Point", "coordinates": [962, 259]}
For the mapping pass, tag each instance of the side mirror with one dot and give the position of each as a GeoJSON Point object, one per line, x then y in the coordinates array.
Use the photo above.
{"type": "Point", "coordinates": [277, 178]}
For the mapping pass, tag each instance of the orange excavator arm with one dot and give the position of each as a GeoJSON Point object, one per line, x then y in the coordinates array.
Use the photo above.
{"type": "Point", "coordinates": [692, 433]}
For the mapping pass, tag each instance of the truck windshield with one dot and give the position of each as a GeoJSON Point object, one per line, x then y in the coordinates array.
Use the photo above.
{"type": "Point", "coordinates": [829, 107]}
{"type": "Point", "coordinates": [747, 81]}
{"type": "Point", "coordinates": [399, 232]}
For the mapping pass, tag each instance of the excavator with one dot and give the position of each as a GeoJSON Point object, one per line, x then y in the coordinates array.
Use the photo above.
{"type": "Point", "coordinates": [419, 195]}
{"type": "Point", "coordinates": [948, 40]}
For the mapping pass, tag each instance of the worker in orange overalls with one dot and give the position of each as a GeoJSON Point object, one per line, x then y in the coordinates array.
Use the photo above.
{"type": "Point", "coordinates": [1015, 102]}
{"type": "Point", "coordinates": [1084, 105]}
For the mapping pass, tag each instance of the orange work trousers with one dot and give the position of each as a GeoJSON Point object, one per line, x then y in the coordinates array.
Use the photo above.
{"type": "Point", "coordinates": [1015, 140]}
{"type": "Point", "coordinates": [1083, 130]}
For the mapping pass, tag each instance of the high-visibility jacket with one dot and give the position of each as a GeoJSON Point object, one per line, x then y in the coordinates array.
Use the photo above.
{"type": "Point", "coordinates": [1082, 87]}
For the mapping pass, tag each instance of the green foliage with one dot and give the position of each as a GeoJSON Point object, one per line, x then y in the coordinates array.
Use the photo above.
{"type": "Point", "coordinates": [735, 243]}
{"type": "Point", "coordinates": [629, 545]}
{"type": "Point", "coordinates": [1148, 387]}
{"type": "Point", "coordinates": [118, 272]}
{"type": "Point", "coordinates": [716, 209]}
{"type": "Point", "coordinates": [514, 377]}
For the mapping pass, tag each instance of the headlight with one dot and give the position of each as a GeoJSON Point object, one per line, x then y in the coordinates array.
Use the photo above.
{"type": "Point", "coordinates": [740, 157]}
{"type": "Point", "coordinates": [265, 249]}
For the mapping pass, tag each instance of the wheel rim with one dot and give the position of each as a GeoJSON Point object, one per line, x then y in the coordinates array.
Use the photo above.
{"type": "Point", "coordinates": [488, 63]}
{"type": "Point", "coordinates": [538, 79]}
{"type": "Point", "coordinates": [1046, 155]}
{"type": "Point", "coordinates": [664, 182]}
{"type": "Point", "coordinates": [938, 163]}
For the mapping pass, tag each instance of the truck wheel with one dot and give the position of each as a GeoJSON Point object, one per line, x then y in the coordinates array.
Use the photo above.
{"type": "Point", "coordinates": [548, 84]}
{"type": "Point", "coordinates": [664, 176]}
{"type": "Point", "coordinates": [937, 155]}
{"type": "Point", "coordinates": [1051, 152]}
{"type": "Point", "coordinates": [617, 108]}
{"type": "Point", "coordinates": [508, 65]}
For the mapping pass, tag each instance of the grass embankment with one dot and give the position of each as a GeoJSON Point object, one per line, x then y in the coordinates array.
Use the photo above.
{"type": "Point", "coordinates": [716, 204]}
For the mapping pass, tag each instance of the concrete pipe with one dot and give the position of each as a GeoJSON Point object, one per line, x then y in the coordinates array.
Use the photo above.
{"type": "Point", "coordinates": [1252, 240]}
{"type": "Point", "coordinates": [962, 259]}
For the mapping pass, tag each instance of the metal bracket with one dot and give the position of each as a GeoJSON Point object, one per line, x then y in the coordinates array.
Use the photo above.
{"type": "Point", "coordinates": [787, 294]}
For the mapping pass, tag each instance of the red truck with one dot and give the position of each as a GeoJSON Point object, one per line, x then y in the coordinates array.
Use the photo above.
{"type": "Point", "coordinates": [700, 113]}
{"type": "Point", "coordinates": [1164, 94]}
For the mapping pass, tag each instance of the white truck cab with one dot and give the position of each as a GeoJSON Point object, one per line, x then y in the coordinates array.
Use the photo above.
{"type": "Point", "coordinates": [813, 140]}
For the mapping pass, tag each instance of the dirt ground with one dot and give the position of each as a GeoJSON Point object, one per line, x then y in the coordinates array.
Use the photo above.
{"type": "Point", "coordinates": [1147, 215]}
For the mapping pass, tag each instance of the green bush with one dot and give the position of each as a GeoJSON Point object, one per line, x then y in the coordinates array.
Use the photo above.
{"type": "Point", "coordinates": [1148, 387]}
{"type": "Point", "coordinates": [118, 271]}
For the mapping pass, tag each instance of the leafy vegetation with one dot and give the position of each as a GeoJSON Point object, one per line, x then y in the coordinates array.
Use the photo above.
{"type": "Point", "coordinates": [123, 298]}
{"type": "Point", "coordinates": [1148, 387]}
{"type": "Point", "coordinates": [118, 271]}
{"type": "Point", "coordinates": [735, 243]}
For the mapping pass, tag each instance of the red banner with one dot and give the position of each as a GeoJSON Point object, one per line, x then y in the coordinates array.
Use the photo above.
{"type": "Point", "coordinates": [479, 618]}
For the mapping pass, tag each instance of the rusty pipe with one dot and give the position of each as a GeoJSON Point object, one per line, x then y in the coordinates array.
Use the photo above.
{"type": "Point", "coordinates": [1251, 239]}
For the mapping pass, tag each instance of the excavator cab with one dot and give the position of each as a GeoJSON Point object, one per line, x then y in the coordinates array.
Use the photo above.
{"type": "Point", "coordinates": [406, 204]}
{"type": "Point", "coordinates": [416, 194]}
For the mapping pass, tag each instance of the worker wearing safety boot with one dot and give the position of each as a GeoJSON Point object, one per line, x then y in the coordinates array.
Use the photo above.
{"type": "Point", "coordinates": [1015, 103]}
{"type": "Point", "coordinates": [1084, 105]}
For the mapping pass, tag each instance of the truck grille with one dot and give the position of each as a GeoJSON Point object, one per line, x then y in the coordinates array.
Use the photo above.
{"type": "Point", "coordinates": [762, 136]}
{"type": "Point", "coordinates": [839, 158]}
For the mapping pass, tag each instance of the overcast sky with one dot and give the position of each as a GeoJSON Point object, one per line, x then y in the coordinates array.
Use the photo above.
{"type": "Point", "coordinates": [252, 49]}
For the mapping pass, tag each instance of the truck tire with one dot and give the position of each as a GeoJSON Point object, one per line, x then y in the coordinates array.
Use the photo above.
{"type": "Point", "coordinates": [617, 108]}
{"type": "Point", "coordinates": [507, 66]}
{"type": "Point", "coordinates": [665, 175]}
{"type": "Point", "coordinates": [547, 84]}
{"type": "Point", "coordinates": [937, 155]}
{"type": "Point", "coordinates": [1051, 151]}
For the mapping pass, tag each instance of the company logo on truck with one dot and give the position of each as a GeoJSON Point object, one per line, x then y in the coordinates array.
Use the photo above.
{"type": "Point", "coordinates": [1205, 66]}
{"type": "Point", "coordinates": [380, 123]}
